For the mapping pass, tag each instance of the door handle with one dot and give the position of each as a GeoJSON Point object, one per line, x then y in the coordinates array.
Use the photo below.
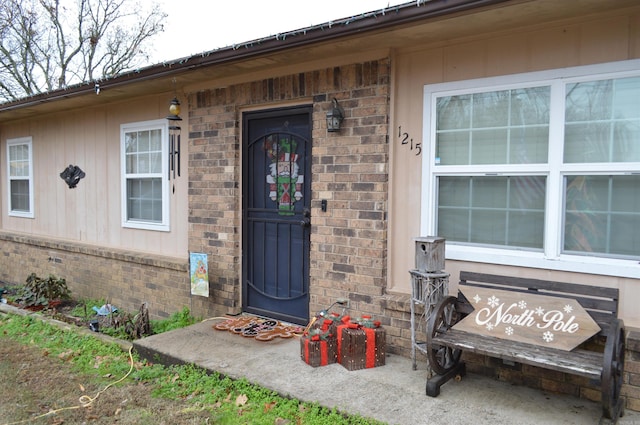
{"type": "Point", "coordinates": [306, 218]}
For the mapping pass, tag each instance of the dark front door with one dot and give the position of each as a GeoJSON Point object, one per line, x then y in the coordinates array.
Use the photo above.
{"type": "Point", "coordinates": [276, 213]}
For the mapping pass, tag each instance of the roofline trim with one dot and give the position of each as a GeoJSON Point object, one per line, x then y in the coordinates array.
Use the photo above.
{"type": "Point", "coordinates": [389, 17]}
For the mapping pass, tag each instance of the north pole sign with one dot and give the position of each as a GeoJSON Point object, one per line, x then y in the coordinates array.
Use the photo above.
{"type": "Point", "coordinates": [543, 320]}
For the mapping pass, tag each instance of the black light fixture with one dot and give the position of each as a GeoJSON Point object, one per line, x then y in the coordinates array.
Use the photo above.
{"type": "Point", "coordinates": [334, 117]}
{"type": "Point", "coordinates": [174, 137]}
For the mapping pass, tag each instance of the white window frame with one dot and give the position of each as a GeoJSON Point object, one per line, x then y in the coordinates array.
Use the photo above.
{"type": "Point", "coordinates": [28, 141]}
{"type": "Point", "coordinates": [163, 225]}
{"type": "Point", "coordinates": [552, 257]}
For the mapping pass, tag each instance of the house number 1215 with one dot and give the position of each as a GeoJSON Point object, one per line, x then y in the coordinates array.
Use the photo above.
{"type": "Point", "coordinates": [406, 140]}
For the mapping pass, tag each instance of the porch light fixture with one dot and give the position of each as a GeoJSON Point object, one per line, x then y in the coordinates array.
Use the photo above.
{"type": "Point", "coordinates": [174, 137]}
{"type": "Point", "coordinates": [334, 117]}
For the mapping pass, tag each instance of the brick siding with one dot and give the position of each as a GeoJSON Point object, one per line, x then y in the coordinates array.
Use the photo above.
{"type": "Point", "coordinates": [631, 386]}
{"type": "Point", "coordinates": [349, 170]}
{"type": "Point", "coordinates": [125, 279]}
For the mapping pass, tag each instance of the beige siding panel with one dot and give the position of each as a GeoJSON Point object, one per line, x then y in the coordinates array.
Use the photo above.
{"type": "Point", "coordinates": [464, 61]}
{"type": "Point", "coordinates": [406, 165]}
{"type": "Point", "coordinates": [553, 48]}
{"type": "Point", "coordinates": [90, 212]}
{"type": "Point", "coordinates": [96, 225]}
{"type": "Point", "coordinates": [507, 55]}
{"type": "Point", "coordinates": [634, 36]}
{"type": "Point", "coordinates": [600, 40]}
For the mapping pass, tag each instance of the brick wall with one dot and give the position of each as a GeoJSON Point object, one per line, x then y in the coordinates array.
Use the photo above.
{"type": "Point", "coordinates": [349, 170]}
{"type": "Point", "coordinates": [126, 279]}
{"type": "Point", "coordinates": [631, 386]}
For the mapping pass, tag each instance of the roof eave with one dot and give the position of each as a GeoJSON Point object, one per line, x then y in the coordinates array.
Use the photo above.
{"type": "Point", "coordinates": [399, 15]}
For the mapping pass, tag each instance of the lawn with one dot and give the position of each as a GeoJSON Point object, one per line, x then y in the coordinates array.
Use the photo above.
{"type": "Point", "coordinates": [62, 376]}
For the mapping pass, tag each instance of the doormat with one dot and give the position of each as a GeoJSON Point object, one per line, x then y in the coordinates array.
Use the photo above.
{"type": "Point", "coordinates": [258, 328]}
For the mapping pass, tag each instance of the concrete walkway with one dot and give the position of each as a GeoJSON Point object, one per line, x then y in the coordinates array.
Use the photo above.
{"type": "Point", "coordinates": [394, 393]}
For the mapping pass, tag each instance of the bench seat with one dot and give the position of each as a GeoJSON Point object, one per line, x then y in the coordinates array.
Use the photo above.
{"type": "Point", "coordinates": [582, 362]}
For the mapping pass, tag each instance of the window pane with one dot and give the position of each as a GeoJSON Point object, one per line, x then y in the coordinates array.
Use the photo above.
{"type": "Point", "coordinates": [20, 195]}
{"type": "Point", "coordinates": [589, 101]}
{"type": "Point", "coordinates": [144, 199]}
{"type": "Point", "coordinates": [602, 121]}
{"type": "Point", "coordinates": [155, 162]}
{"type": "Point", "coordinates": [143, 141]}
{"type": "Point", "coordinates": [18, 153]}
{"type": "Point", "coordinates": [454, 112]}
{"type": "Point", "coordinates": [155, 140]}
{"type": "Point", "coordinates": [454, 191]}
{"type": "Point", "coordinates": [144, 152]}
{"type": "Point", "coordinates": [19, 161]}
{"type": "Point", "coordinates": [489, 146]}
{"type": "Point", "coordinates": [131, 148]}
{"type": "Point", "coordinates": [586, 142]}
{"type": "Point", "coordinates": [529, 145]}
{"type": "Point", "coordinates": [602, 215]}
{"type": "Point", "coordinates": [530, 106]}
{"type": "Point", "coordinates": [489, 192]}
{"type": "Point", "coordinates": [491, 109]}
{"type": "Point", "coordinates": [487, 227]}
{"type": "Point", "coordinates": [453, 148]}
{"type": "Point", "coordinates": [492, 210]}
{"type": "Point", "coordinates": [500, 127]}
{"type": "Point", "coordinates": [625, 235]}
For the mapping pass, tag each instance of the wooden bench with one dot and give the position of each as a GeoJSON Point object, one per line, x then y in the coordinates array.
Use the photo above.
{"type": "Point", "coordinates": [604, 366]}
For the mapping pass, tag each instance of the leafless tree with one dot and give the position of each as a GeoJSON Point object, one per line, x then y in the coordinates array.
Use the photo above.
{"type": "Point", "coordinates": [50, 44]}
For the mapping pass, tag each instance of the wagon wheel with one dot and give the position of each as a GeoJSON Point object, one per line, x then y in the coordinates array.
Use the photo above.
{"type": "Point", "coordinates": [613, 371]}
{"type": "Point", "coordinates": [442, 358]}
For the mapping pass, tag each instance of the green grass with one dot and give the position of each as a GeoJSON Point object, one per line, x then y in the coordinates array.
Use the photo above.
{"type": "Point", "coordinates": [227, 400]}
{"type": "Point", "coordinates": [177, 320]}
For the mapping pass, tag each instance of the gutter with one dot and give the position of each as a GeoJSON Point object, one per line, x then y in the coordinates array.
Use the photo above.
{"type": "Point", "coordinates": [393, 16]}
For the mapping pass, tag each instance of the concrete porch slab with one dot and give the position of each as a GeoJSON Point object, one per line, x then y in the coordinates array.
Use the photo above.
{"type": "Point", "coordinates": [394, 393]}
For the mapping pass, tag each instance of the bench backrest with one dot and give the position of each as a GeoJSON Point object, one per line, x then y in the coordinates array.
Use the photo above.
{"type": "Point", "coordinates": [601, 303]}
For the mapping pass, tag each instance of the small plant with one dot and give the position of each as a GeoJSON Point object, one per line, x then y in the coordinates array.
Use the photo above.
{"type": "Point", "coordinates": [179, 319]}
{"type": "Point", "coordinates": [84, 308]}
{"type": "Point", "coordinates": [40, 292]}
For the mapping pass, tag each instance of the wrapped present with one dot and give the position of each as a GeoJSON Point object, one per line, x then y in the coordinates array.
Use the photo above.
{"type": "Point", "coordinates": [376, 350]}
{"type": "Point", "coordinates": [361, 343]}
{"type": "Point", "coordinates": [318, 346]}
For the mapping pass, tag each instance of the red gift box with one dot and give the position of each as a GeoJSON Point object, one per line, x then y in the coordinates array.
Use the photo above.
{"type": "Point", "coordinates": [361, 344]}
{"type": "Point", "coordinates": [318, 347]}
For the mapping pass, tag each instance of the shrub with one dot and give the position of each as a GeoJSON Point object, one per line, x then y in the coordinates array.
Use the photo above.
{"type": "Point", "coordinates": [40, 292]}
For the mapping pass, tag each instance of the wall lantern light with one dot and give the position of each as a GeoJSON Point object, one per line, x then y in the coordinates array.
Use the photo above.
{"type": "Point", "coordinates": [174, 137]}
{"type": "Point", "coordinates": [334, 117]}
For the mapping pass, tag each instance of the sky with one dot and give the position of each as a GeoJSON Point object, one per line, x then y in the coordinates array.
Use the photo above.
{"type": "Point", "coordinates": [196, 26]}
